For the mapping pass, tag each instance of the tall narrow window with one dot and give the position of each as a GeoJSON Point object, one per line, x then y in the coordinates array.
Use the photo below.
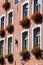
{"type": "Point", "coordinates": [36, 36]}
{"type": "Point", "coordinates": [25, 10]}
{"type": "Point", "coordinates": [2, 22]}
{"type": "Point", "coordinates": [10, 18]}
{"type": "Point", "coordinates": [25, 40]}
{"type": "Point", "coordinates": [1, 47]}
{"type": "Point", "coordinates": [37, 5]}
{"type": "Point", "coordinates": [9, 44]}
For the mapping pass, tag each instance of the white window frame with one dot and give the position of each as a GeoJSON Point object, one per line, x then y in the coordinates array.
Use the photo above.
{"type": "Point", "coordinates": [4, 20]}
{"type": "Point", "coordinates": [22, 9]}
{"type": "Point", "coordinates": [11, 10]}
{"type": "Point", "coordinates": [28, 37]}
{"type": "Point", "coordinates": [12, 44]}
{"type": "Point", "coordinates": [40, 35]}
{"type": "Point", "coordinates": [3, 44]}
{"type": "Point", "coordinates": [33, 6]}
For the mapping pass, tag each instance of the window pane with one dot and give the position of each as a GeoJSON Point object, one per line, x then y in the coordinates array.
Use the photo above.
{"type": "Point", "coordinates": [9, 44]}
{"type": "Point", "coordinates": [25, 40]}
{"type": "Point", "coordinates": [10, 16]}
{"type": "Point", "coordinates": [36, 36]}
{"type": "Point", "coordinates": [2, 22]}
{"type": "Point", "coordinates": [1, 46]}
{"type": "Point", "coordinates": [9, 48]}
{"type": "Point", "coordinates": [16, 1]}
{"type": "Point", "coordinates": [37, 5]}
{"type": "Point", "coordinates": [25, 10]}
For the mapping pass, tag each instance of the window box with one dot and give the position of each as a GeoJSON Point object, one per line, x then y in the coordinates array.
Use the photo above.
{"type": "Point", "coordinates": [1, 59]}
{"type": "Point", "coordinates": [37, 17]}
{"type": "Point", "coordinates": [25, 54]}
{"type": "Point", "coordinates": [10, 28]}
{"type": "Point", "coordinates": [2, 33]}
{"type": "Point", "coordinates": [9, 57]}
{"type": "Point", "coordinates": [36, 51]}
{"type": "Point", "coordinates": [25, 22]}
{"type": "Point", "coordinates": [6, 5]}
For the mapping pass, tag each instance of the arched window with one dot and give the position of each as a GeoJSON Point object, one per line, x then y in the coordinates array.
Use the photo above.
{"type": "Point", "coordinates": [25, 39]}
{"type": "Point", "coordinates": [10, 44]}
{"type": "Point", "coordinates": [37, 36]}
{"type": "Point", "coordinates": [10, 17]}
{"type": "Point", "coordinates": [37, 5]}
{"type": "Point", "coordinates": [25, 9]}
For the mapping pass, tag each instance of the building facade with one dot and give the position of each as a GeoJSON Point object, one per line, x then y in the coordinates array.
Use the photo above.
{"type": "Point", "coordinates": [21, 38]}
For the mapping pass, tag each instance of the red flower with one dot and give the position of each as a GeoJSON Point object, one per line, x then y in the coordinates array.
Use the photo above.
{"type": "Point", "coordinates": [6, 5]}
{"type": "Point", "coordinates": [25, 22]}
{"type": "Point", "coordinates": [2, 33]}
{"type": "Point", "coordinates": [10, 28]}
{"type": "Point", "coordinates": [37, 17]}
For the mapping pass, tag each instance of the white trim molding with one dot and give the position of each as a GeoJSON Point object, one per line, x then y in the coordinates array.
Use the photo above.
{"type": "Point", "coordinates": [12, 43]}
{"type": "Point", "coordinates": [28, 37]}
{"type": "Point", "coordinates": [22, 8]}
{"type": "Point", "coordinates": [39, 25]}
{"type": "Point", "coordinates": [11, 10]}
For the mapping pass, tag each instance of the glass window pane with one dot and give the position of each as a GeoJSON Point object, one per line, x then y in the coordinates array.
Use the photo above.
{"type": "Point", "coordinates": [25, 10]}
{"type": "Point", "coordinates": [1, 46]}
{"type": "Point", "coordinates": [37, 5]}
{"type": "Point", "coordinates": [9, 48]}
{"type": "Point", "coordinates": [2, 22]}
{"type": "Point", "coordinates": [10, 40]}
{"type": "Point", "coordinates": [25, 40]}
{"type": "Point", "coordinates": [17, 1]}
{"type": "Point", "coordinates": [36, 36]}
{"type": "Point", "coordinates": [9, 44]}
{"type": "Point", "coordinates": [10, 16]}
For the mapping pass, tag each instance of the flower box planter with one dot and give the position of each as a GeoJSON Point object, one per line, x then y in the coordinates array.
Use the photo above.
{"type": "Point", "coordinates": [1, 59]}
{"type": "Point", "coordinates": [2, 33]}
{"type": "Point", "coordinates": [25, 23]}
{"type": "Point", "coordinates": [10, 28]}
{"type": "Point", "coordinates": [6, 5]}
{"type": "Point", "coordinates": [37, 17]}
{"type": "Point", "coordinates": [9, 57]}
{"type": "Point", "coordinates": [25, 54]}
{"type": "Point", "coordinates": [36, 51]}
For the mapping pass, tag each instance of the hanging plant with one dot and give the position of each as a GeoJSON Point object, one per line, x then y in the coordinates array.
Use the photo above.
{"type": "Point", "coordinates": [1, 59]}
{"type": "Point", "coordinates": [10, 28]}
{"type": "Point", "coordinates": [9, 57]}
{"type": "Point", "coordinates": [37, 17]}
{"type": "Point", "coordinates": [36, 51]}
{"type": "Point", "coordinates": [6, 5]}
{"type": "Point", "coordinates": [2, 33]}
{"type": "Point", "coordinates": [25, 22]}
{"type": "Point", "coordinates": [25, 54]}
